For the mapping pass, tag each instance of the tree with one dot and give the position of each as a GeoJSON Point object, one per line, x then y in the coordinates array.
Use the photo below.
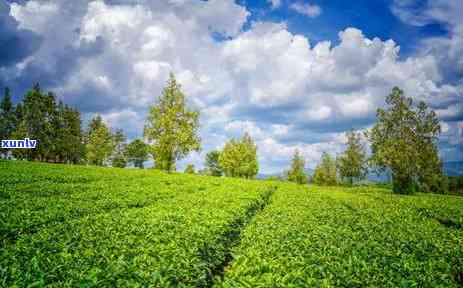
{"type": "Point", "coordinates": [100, 144]}
{"type": "Point", "coordinates": [7, 118]}
{"type": "Point", "coordinates": [404, 140]}
{"type": "Point", "coordinates": [55, 126]}
{"type": "Point", "coordinates": [118, 158]}
{"type": "Point", "coordinates": [137, 153]}
{"type": "Point", "coordinates": [297, 171]}
{"type": "Point", "coordinates": [190, 169]}
{"type": "Point", "coordinates": [172, 128]}
{"type": "Point", "coordinates": [212, 164]}
{"type": "Point", "coordinates": [37, 120]}
{"type": "Point", "coordinates": [352, 164]}
{"type": "Point", "coordinates": [325, 172]}
{"type": "Point", "coordinates": [239, 158]}
{"type": "Point", "coordinates": [74, 148]}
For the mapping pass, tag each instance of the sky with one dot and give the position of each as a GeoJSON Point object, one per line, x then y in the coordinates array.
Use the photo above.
{"type": "Point", "coordinates": [293, 74]}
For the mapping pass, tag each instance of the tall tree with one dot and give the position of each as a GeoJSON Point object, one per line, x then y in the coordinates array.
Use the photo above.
{"type": "Point", "coordinates": [296, 172]}
{"type": "Point", "coordinates": [172, 127]}
{"type": "Point", "coordinates": [352, 164]}
{"type": "Point", "coordinates": [74, 148]}
{"type": "Point", "coordinates": [137, 153]}
{"type": "Point", "coordinates": [118, 158]}
{"type": "Point", "coordinates": [100, 144]}
{"type": "Point", "coordinates": [325, 172]}
{"type": "Point", "coordinates": [7, 118]}
{"type": "Point", "coordinates": [37, 112]}
{"type": "Point", "coordinates": [239, 158]}
{"type": "Point", "coordinates": [404, 140]}
{"type": "Point", "coordinates": [212, 164]}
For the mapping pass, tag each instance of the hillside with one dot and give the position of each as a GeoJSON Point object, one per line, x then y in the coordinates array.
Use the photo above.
{"type": "Point", "coordinates": [67, 226]}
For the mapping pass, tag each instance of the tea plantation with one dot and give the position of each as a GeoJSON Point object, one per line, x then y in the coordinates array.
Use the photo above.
{"type": "Point", "coordinates": [78, 226]}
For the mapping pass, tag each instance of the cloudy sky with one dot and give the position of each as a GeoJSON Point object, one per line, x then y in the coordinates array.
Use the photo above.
{"type": "Point", "coordinates": [294, 74]}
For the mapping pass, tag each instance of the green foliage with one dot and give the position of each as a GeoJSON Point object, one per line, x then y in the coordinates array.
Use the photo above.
{"type": "Point", "coordinates": [172, 127]}
{"type": "Point", "coordinates": [404, 140]}
{"type": "Point", "coordinates": [7, 118]}
{"type": "Point", "coordinates": [100, 143]}
{"type": "Point", "coordinates": [239, 158]}
{"type": "Point", "coordinates": [325, 172]}
{"type": "Point", "coordinates": [190, 169]}
{"type": "Point", "coordinates": [137, 153]}
{"type": "Point", "coordinates": [212, 164]}
{"type": "Point", "coordinates": [119, 158]}
{"type": "Point", "coordinates": [455, 183]}
{"type": "Point", "coordinates": [352, 164]}
{"type": "Point", "coordinates": [55, 126]}
{"type": "Point", "coordinates": [297, 171]}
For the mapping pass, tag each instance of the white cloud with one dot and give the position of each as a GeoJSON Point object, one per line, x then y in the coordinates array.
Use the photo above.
{"type": "Point", "coordinates": [34, 15]}
{"type": "Point", "coordinates": [310, 10]}
{"type": "Point", "coordinates": [266, 80]}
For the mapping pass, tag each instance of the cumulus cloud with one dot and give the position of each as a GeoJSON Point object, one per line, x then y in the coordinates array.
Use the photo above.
{"type": "Point", "coordinates": [447, 53]}
{"type": "Point", "coordinates": [16, 42]}
{"type": "Point", "coordinates": [309, 10]}
{"type": "Point", "coordinates": [447, 50]}
{"type": "Point", "coordinates": [114, 58]}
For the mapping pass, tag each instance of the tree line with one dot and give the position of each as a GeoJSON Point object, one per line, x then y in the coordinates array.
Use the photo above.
{"type": "Point", "coordinates": [403, 141]}
{"type": "Point", "coordinates": [61, 138]}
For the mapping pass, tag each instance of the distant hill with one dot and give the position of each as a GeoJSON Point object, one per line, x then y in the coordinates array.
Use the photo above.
{"type": "Point", "coordinates": [451, 168]}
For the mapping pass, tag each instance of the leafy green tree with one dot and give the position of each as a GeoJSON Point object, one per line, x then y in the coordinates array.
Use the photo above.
{"type": "Point", "coordinates": [137, 153]}
{"type": "Point", "coordinates": [297, 171]}
{"type": "Point", "coordinates": [239, 158]}
{"type": "Point", "coordinates": [100, 144]}
{"type": "Point", "coordinates": [190, 169]}
{"type": "Point", "coordinates": [325, 172]}
{"type": "Point", "coordinates": [352, 164]}
{"type": "Point", "coordinates": [36, 122]}
{"type": "Point", "coordinates": [212, 164]}
{"type": "Point", "coordinates": [404, 140]}
{"type": "Point", "coordinates": [74, 148]}
{"type": "Point", "coordinates": [7, 118]}
{"type": "Point", "coordinates": [95, 123]}
{"type": "Point", "coordinates": [172, 128]}
{"type": "Point", "coordinates": [118, 158]}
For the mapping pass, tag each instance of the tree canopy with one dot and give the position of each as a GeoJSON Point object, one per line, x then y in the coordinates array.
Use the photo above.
{"type": "Point", "coordinates": [212, 164]}
{"type": "Point", "coordinates": [190, 169]}
{"type": "Point", "coordinates": [239, 158]}
{"type": "Point", "coordinates": [100, 143]}
{"type": "Point", "coordinates": [404, 140]}
{"type": "Point", "coordinates": [352, 164]}
{"type": "Point", "coordinates": [137, 153]}
{"type": "Point", "coordinates": [172, 127]}
{"type": "Point", "coordinates": [325, 172]}
{"type": "Point", "coordinates": [296, 173]}
{"type": "Point", "coordinates": [39, 116]}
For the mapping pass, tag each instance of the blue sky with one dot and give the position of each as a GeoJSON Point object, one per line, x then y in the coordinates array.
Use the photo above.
{"type": "Point", "coordinates": [374, 18]}
{"type": "Point", "coordinates": [294, 74]}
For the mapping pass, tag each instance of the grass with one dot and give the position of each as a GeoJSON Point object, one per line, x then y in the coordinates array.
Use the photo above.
{"type": "Point", "coordinates": [68, 226]}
